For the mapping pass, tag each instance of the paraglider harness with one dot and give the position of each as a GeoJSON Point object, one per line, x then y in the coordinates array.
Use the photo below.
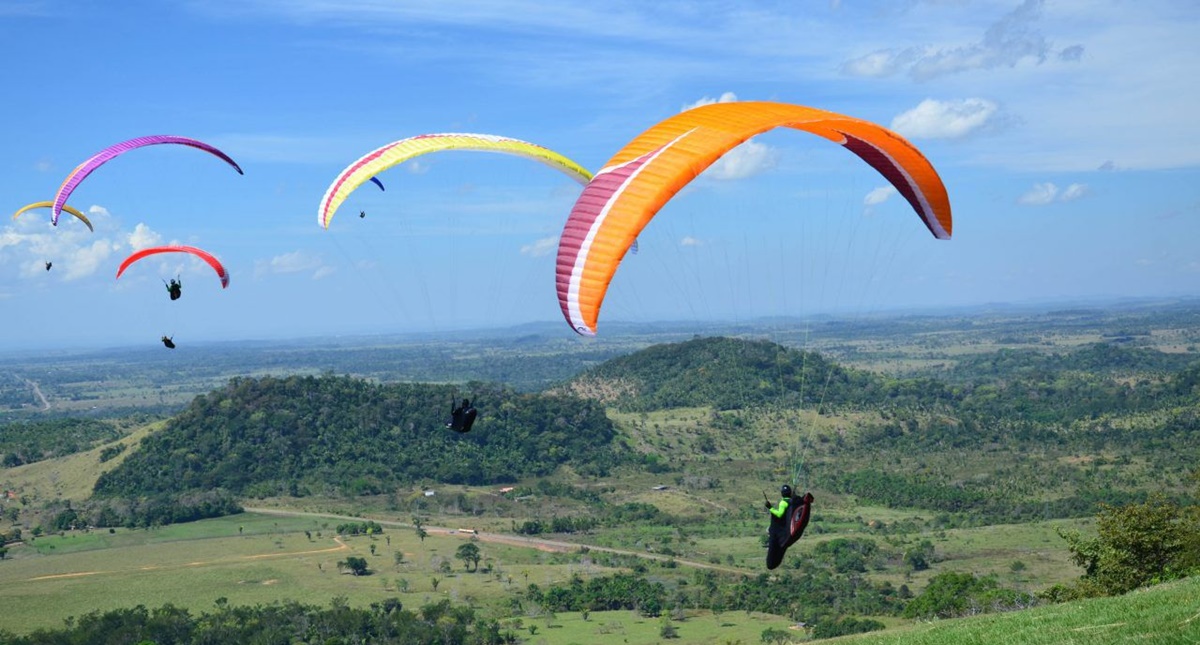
{"type": "Point", "coordinates": [787, 526]}
{"type": "Point", "coordinates": [175, 288]}
{"type": "Point", "coordinates": [169, 341]}
{"type": "Point", "coordinates": [48, 265]}
{"type": "Point", "coordinates": [462, 417]}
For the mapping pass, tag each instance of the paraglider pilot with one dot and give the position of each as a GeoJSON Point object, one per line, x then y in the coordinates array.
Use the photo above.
{"type": "Point", "coordinates": [48, 265]}
{"type": "Point", "coordinates": [462, 417]}
{"type": "Point", "coordinates": [175, 288]}
{"type": "Point", "coordinates": [779, 509]}
{"type": "Point", "coordinates": [362, 214]}
{"type": "Point", "coordinates": [788, 520]}
{"type": "Point", "coordinates": [168, 341]}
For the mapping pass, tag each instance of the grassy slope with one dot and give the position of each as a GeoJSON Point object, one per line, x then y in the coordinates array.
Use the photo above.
{"type": "Point", "coordinates": [1163, 614]}
{"type": "Point", "coordinates": [71, 476]}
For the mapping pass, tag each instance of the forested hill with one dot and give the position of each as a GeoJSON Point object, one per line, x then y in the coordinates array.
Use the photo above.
{"type": "Point", "coordinates": [306, 435]}
{"type": "Point", "coordinates": [730, 374]}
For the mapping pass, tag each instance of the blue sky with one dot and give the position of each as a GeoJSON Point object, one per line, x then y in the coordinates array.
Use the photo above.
{"type": "Point", "coordinates": [1065, 132]}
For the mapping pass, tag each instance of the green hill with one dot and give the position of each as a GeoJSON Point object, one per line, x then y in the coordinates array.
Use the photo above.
{"type": "Point", "coordinates": [732, 374]}
{"type": "Point", "coordinates": [309, 435]}
{"type": "Point", "coordinates": [1165, 613]}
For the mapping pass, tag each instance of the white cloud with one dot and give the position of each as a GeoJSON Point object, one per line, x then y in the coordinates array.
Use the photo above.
{"type": "Point", "coordinates": [295, 262]}
{"type": "Point", "coordinates": [86, 260]}
{"type": "Point", "coordinates": [416, 167]}
{"type": "Point", "coordinates": [746, 160]}
{"type": "Point", "coordinates": [73, 250]}
{"type": "Point", "coordinates": [142, 237]}
{"type": "Point", "coordinates": [688, 240]}
{"type": "Point", "coordinates": [726, 97]}
{"type": "Point", "coordinates": [879, 195]}
{"type": "Point", "coordinates": [1046, 192]}
{"type": "Point", "coordinates": [43, 165]}
{"type": "Point", "coordinates": [933, 119]}
{"type": "Point", "coordinates": [1012, 40]}
{"type": "Point", "coordinates": [540, 248]}
{"type": "Point", "coordinates": [1073, 192]}
{"type": "Point", "coordinates": [1039, 195]}
{"type": "Point", "coordinates": [882, 63]}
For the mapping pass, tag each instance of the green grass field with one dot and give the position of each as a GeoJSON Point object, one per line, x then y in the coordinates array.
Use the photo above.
{"type": "Point", "coordinates": [1162, 615]}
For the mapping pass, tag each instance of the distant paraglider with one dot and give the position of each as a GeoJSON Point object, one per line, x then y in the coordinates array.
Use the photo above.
{"type": "Point", "coordinates": [48, 265]}
{"type": "Point", "coordinates": [100, 158]}
{"type": "Point", "coordinates": [174, 288]}
{"type": "Point", "coordinates": [168, 342]}
{"type": "Point", "coordinates": [635, 183]}
{"type": "Point", "coordinates": [393, 154]}
{"type": "Point", "coordinates": [200, 253]}
{"type": "Point", "coordinates": [462, 417]}
{"type": "Point", "coordinates": [47, 204]}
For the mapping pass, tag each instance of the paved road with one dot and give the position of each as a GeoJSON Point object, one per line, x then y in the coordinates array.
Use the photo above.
{"type": "Point", "coordinates": [513, 540]}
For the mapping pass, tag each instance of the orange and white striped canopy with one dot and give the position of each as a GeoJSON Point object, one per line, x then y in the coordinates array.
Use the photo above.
{"type": "Point", "coordinates": [631, 188]}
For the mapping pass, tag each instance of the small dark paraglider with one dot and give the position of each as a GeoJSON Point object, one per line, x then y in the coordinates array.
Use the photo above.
{"type": "Point", "coordinates": [788, 521]}
{"type": "Point", "coordinates": [462, 417]}
{"type": "Point", "coordinates": [48, 265]}
{"type": "Point", "coordinates": [175, 288]}
{"type": "Point", "coordinates": [362, 214]}
{"type": "Point", "coordinates": [169, 342]}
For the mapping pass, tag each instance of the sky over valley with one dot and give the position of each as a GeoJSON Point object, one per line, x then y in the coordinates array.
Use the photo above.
{"type": "Point", "coordinates": [1064, 132]}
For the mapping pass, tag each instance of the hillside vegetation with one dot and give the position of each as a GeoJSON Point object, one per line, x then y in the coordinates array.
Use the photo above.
{"type": "Point", "coordinates": [306, 435]}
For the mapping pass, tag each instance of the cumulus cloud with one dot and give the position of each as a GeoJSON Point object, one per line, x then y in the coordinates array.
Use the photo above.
{"type": "Point", "coordinates": [295, 262]}
{"type": "Point", "coordinates": [1047, 192]}
{"type": "Point", "coordinates": [29, 242]}
{"type": "Point", "coordinates": [688, 240]}
{"type": "Point", "coordinates": [725, 97]}
{"type": "Point", "coordinates": [746, 160]}
{"type": "Point", "coordinates": [86, 260]}
{"type": "Point", "coordinates": [1011, 40]}
{"type": "Point", "coordinates": [933, 119]}
{"type": "Point", "coordinates": [879, 195]}
{"type": "Point", "coordinates": [540, 248]}
{"type": "Point", "coordinates": [142, 237]}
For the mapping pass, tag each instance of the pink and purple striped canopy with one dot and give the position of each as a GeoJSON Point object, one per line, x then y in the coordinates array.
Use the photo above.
{"type": "Point", "coordinates": [84, 169]}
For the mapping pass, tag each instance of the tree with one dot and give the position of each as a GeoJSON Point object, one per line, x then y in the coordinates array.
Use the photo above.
{"type": "Point", "coordinates": [398, 558]}
{"type": "Point", "coordinates": [1135, 545]}
{"type": "Point", "coordinates": [435, 581]}
{"type": "Point", "coordinates": [356, 565]}
{"type": "Point", "coordinates": [469, 554]}
{"type": "Point", "coordinates": [421, 532]}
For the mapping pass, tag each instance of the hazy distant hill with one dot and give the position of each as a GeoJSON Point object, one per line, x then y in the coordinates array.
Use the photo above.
{"type": "Point", "coordinates": [303, 435]}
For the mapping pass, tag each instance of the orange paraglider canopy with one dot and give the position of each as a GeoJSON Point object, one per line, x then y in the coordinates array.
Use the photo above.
{"type": "Point", "coordinates": [644, 175]}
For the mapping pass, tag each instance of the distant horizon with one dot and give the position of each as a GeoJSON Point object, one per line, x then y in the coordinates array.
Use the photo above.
{"type": "Point", "coordinates": [620, 328]}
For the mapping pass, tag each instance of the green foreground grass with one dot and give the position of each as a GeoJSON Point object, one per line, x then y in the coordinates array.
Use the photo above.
{"type": "Point", "coordinates": [1162, 615]}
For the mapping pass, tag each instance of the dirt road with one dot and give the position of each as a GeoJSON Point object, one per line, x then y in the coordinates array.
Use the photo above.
{"type": "Point", "coordinates": [557, 546]}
